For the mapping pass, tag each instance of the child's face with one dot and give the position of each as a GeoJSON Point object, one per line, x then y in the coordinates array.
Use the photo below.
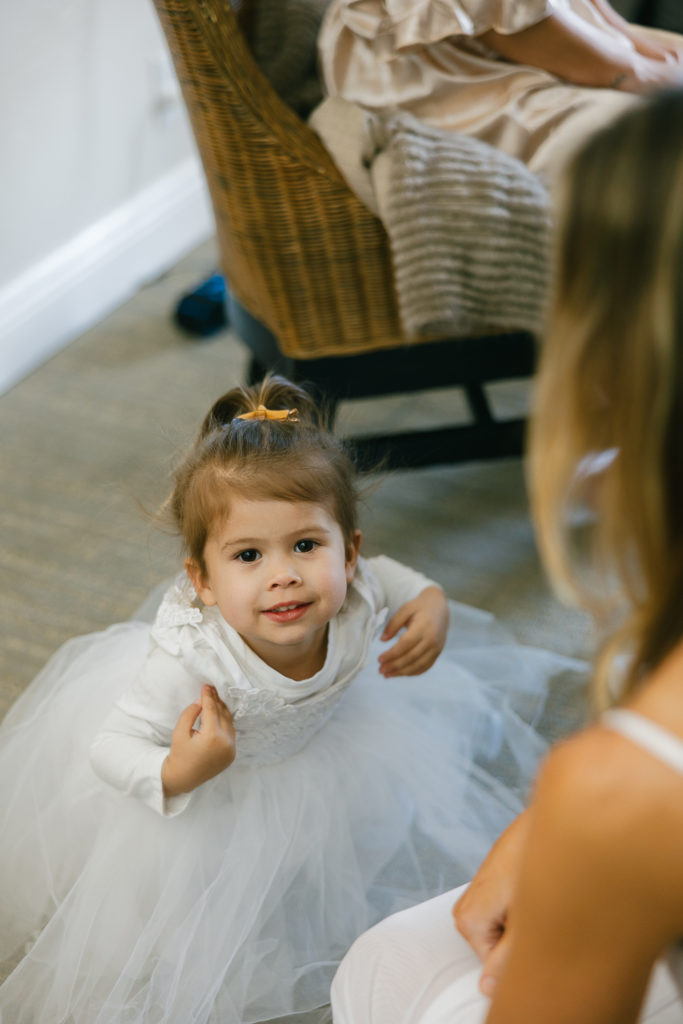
{"type": "Point", "coordinates": [278, 572]}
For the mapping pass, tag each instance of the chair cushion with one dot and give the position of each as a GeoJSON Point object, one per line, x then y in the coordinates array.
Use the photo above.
{"type": "Point", "coordinates": [284, 41]}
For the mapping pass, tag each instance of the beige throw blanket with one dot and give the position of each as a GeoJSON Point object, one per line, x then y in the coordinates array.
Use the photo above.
{"type": "Point", "coordinates": [469, 226]}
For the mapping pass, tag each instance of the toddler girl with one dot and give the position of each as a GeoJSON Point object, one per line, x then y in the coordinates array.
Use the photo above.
{"type": "Point", "coordinates": [199, 817]}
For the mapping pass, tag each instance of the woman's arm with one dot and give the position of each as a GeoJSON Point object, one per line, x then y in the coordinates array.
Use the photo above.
{"type": "Point", "coordinates": [599, 895]}
{"type": "Point", "coordinates": [564, 45]}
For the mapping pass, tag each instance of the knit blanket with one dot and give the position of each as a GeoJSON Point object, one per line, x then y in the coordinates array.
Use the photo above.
{"type": "Point", "coordinates": [469, 226]}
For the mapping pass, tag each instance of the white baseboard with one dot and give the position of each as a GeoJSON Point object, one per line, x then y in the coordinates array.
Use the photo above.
{"type": "Point", "coordinates": [76, 286]}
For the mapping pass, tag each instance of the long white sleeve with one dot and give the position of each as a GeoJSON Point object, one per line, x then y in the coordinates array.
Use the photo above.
{"type": "Point", "coordinates": [130, 748]}
{"type": "Point", "coordinates": [398, 582]}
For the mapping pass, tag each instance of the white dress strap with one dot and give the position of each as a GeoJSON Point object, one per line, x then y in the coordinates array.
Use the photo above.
{"type": "Point", "coordinates": [658, 741]}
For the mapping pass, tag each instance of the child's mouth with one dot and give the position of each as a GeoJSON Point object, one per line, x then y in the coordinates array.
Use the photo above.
{"type": "Point", "coordinates": [286, 612]}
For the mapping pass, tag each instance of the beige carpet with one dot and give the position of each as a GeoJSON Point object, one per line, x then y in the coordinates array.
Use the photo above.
{"type": "Point", "coordinates": [87, 444]}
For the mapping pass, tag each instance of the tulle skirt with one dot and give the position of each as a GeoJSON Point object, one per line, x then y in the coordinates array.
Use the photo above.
{"type": "Point", "coordinates": [239, 909]}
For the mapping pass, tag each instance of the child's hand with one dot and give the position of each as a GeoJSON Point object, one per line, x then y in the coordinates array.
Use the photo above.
{"type": "Point", "coordinates": [197, 755]}
{"type": "Point", "coordinates": [425, 620]}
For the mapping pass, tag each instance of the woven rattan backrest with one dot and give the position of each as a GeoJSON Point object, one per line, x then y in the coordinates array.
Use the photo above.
{"type": "Point", "coordinates": [299, 250]}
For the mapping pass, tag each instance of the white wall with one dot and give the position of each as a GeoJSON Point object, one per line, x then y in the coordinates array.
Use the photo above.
{"type": "Point", "coordinates": [101, 185]}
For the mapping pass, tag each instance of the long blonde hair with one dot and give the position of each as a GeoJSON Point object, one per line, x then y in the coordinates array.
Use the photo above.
{"type": "Point", "coordinates": [611, 377]}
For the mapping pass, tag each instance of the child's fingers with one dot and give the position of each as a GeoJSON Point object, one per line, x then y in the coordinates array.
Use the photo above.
{"type": "Point", "coordinates": [209, 709]}
{"type": "Point", "coordinates": [188, 717]}
{"type": "Point", "coordinates": [397, 621]}
{"type": "Point", "coordinates": [225, 719]}
{"type": "Point", "coordinates": [407, 661]}
{"type": "Point", "coordinates": [213, 709]}
{"type": "Point", "coordinates": [401, 647]}
{"type": "Point", "coordinates": [413, 639]}
{"type": "Point", "coordinates": [222, 710]}
{"type": "Point", "coordinates": [225, 713]}
{"type": "Point", "coordinates": [216, 714]}
{"type": "Point", "coordinates": [408, 666]}
{"type": "Point", "coordinates": [420, 666]}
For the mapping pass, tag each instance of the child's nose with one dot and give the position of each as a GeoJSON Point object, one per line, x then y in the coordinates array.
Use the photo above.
{"type": "Point", "coordinates": [284, 575]}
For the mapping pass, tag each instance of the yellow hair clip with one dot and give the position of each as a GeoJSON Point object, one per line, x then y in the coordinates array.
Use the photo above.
{"type": "Point", "coordinates": [261, 413]}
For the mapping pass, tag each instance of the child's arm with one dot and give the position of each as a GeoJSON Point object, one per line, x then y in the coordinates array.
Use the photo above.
{"type": "Point", "coordinates": [196, 755]}
{"type": "Point", "coordinates": [425, 624]}
{"type": "Point", "coordinates": [137, 735]}
{"type": "Point", "coordinates": [417, 605]}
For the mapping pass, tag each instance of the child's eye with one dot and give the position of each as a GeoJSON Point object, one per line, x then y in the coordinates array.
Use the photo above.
{"type": "Point", "coordinates": [302, 547]}
{"type": "Point", "coordinates": [250, 555]}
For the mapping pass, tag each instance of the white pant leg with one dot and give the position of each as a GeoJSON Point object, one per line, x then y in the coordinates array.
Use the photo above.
{"type": "Point", "coordinates": [395, 972]}
{"type": "Point", "coordinates": [663, 1003]}
{"type": "Point", "coordinates": [456, 1004]}
{"type": "Point", "coordinates": [415, 968]}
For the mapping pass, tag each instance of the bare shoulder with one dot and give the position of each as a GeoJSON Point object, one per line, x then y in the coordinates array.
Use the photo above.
{"type": "Point", "coordinates": [610, 785]}
{"type": "Point", "coordinates": [605, 803]}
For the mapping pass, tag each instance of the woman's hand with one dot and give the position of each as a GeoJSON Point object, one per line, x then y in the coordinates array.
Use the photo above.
{"type": "Point", "coordinates": [648, 74]}
{"type": "Point", "coordinates": [197, 755]}
{"type": "Point", "coordinates": [481, 912]}
{"type": "Point", "coordinates": [563, 44]}
{"type": "Point", "coordinates": [425, 620]}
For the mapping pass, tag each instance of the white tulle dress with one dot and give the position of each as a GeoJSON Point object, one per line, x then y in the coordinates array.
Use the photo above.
{"type": "Point", "coordinates": [352, 796]}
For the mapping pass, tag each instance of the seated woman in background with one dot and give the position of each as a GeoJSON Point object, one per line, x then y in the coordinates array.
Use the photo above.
{"type": "Point", "coordinates": [578, 905]}
{"type": "Point", "coordinates": [531, 77]}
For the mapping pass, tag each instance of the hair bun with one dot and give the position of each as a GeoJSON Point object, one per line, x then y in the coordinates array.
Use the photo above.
{"type": "Point", "coordinates": [279, 398]}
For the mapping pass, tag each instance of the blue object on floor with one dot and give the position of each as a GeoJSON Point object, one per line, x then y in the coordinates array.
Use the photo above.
{"type": "Point", "coordinates": [203, 311]}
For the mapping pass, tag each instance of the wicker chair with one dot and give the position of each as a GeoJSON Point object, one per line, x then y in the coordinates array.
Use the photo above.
{"type": "Point", "coordinates": [309, 267]}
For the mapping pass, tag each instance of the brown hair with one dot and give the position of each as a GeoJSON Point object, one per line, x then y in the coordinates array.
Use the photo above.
{"type": "Point", "coordinates": [292, 459]}
{"type": "Point", "coordinates": [611, 376]}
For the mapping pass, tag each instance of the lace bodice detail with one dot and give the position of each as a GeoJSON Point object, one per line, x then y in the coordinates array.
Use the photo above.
{"type": "Point", "coordinates": [270, 729]}
{"type": "Point", "coordinates": [179, 607]}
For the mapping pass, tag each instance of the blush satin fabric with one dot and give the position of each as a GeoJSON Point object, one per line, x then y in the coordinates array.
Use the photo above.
{"type": "Point", "coordinates": [424, 57]}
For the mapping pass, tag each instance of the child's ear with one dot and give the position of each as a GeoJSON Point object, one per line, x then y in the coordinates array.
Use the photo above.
{"type": "Point", "coordinates": [199, 582]}
{"type": "Point", "coordinates": [352, 552]}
